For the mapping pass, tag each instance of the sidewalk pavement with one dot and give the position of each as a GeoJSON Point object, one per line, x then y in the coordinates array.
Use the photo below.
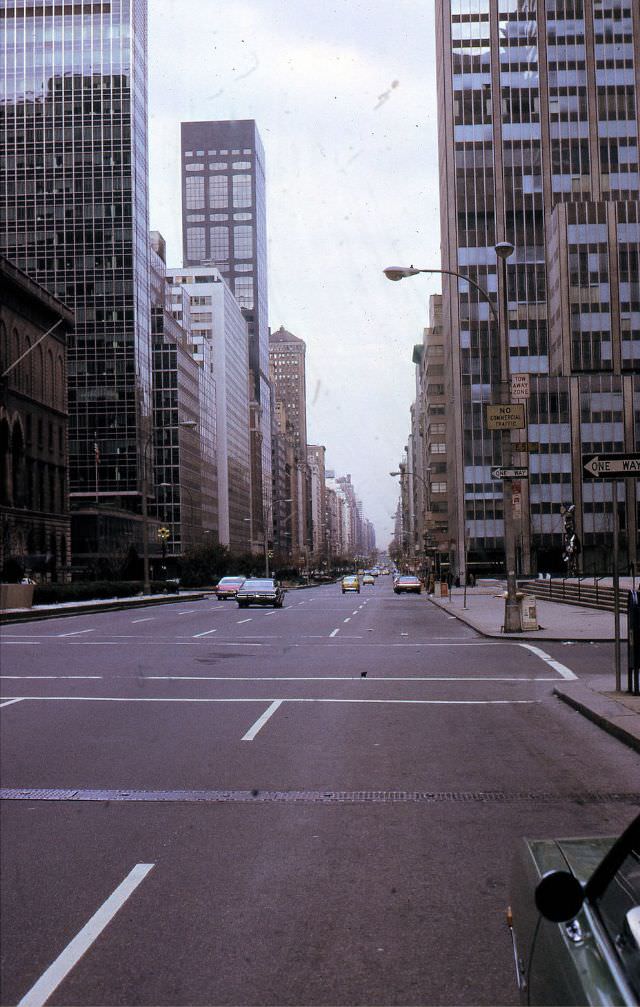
{"type": "Point", "coordinates": [618, 713]}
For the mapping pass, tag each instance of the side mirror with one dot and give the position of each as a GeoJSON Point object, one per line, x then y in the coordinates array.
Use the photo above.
{"type": "Point", "coordinates": [559, 896]}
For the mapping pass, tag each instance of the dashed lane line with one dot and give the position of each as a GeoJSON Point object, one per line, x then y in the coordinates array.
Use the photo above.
{"type": "Point", "coordinates": [241, 621]}
{"type": "Point", "coordinates": [150, 618]}
{"type": "Point", "coordinates": [334, 633]}
{"type": "Point", "coordinates": [49, 981]}
{"type": "Point", "coordinates": [77, 632]}
{"type": "Point", "coordinates": [207, 632]}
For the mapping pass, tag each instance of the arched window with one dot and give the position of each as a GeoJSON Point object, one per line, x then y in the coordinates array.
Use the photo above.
{"type": "Point", "coordinates": [6, 487]}
{"type": "Point", "coordinates": [37, 374]}
{"type": "Point", "coordinates": [49, 381]}
{"type": "Point", "coordinates": [4, 348]}
{"type": "Point", "coordinates": [18, 466]}
{"type": "Point", "coordinates": [14, 377]}
{"type": "Point", "coordinates": [27, 369]}
{"type": "Point", "coordinates": [59, 386]}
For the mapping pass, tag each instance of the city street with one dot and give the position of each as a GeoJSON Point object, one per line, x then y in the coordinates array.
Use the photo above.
{"type": "Point", "coordinates": [313, 805]}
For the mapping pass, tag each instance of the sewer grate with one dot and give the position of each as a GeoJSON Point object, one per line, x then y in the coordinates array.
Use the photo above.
{"type": "Point", "coordinates": [320, 796]}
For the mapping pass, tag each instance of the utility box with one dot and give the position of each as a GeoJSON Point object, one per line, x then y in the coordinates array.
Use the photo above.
{"type": "Point", "coordinates": [528, 612]}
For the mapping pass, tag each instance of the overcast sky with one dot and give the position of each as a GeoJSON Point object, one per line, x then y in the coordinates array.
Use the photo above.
{"type": "Point", "coordinates": [343, 93]}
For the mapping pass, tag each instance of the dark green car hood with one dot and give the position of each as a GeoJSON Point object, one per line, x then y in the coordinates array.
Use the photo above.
{"type": "Point", "coordinates": [580, 856]}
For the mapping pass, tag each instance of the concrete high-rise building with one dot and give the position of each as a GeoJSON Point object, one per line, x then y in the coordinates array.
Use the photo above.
{"type": "Point", "coordinates": [316, 454]}
{"type": "Point", "coordinates": [219, 344]}
{"type": "Point", "coordinates": [224, 224]}
{"type": "Point", "coordinates": [74, 216]}
{"type": "Point", "coordinates": [538, 137]}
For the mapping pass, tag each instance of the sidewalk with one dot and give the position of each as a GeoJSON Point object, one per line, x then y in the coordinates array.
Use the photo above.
{"type": "Point", "coordinates": [618, 713]}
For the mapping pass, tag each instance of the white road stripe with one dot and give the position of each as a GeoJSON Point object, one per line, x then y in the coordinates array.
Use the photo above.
{"type": "Point", "coordinates": [207, 632]}
{"type": "Point", "coordinates": [355, 611]}
{"type": "Point", "coordinates": [261, 721]}
{"type": "Point", "coordinates": [8, 702]}
{"type": "Point", "coordinates": [187, 611]}
{"type": "Point", "coordinates": [21, 643]}
{"type": "Point", "coordinates": [556, 665]}
{"type": "Point", "coordinates": [240, 621]}
{"type": "Point", "coordinates": [149, 618]}
{"type": "Point", "coordinates": [269, 699]}
{"type": "Point", "coordinates": [348, 619]}
{"type": "Point", "coordinates": [77, 632]}
{"type": "Point", "coordinates": [338, 678]}
{"type": "Point", "coordinates": [47, 678]}
{"type": "Point", "coordinates": [69, 958]}
{"type": "Point", "coordinates": [335, 632]}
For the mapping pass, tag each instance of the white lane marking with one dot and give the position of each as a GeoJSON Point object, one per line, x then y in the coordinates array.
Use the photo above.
{"type": "Point", "coordinates": [207, 632]}
{"type": "Point", "coordinates": [335, 632]}
{"type": "Point", "coordinates": [269, 699]}
{"type": "Point", "coordinates": [21, 643]}
{"type": "Point", "coordinates": [261, 721]}
{"type": "Point", "coordinates": [69, 958]}
{"type": "Point", "coordinates": [355, 611]}
{"type": "Point", "coordinates": [560, 668]}
{"type": "Point", "coordinates": [8, 702]}
{"type": "Point", "coordinates": [348, 619]}
{"type": "Point", "coordinates": [77, 632]}
{"type": "Point", "coordinates": [337, 678]}
{"type": "Point", "coordinates": [240, 621]}
{"type": "Point", "coordinates": [187, 611]}
{"type": "Point", "coordinates": [149, 618]}
{"type": "Point", "coordinates": [47, 678]}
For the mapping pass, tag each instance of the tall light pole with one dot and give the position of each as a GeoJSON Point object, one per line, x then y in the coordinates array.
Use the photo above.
{"type": "Point", "coordinates": [503, 249]}
{"type": "Point", "coordinates": [414, 475]}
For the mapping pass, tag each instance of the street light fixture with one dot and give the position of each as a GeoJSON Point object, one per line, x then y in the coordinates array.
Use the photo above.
{"type": "Point", "coordinates": [503, 249]}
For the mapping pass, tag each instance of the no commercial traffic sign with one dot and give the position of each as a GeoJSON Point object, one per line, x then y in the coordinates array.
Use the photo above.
{"type": "Point", "coordinates": [612, 466]}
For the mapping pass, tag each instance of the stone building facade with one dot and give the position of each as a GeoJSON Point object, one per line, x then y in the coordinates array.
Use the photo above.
{"type": "Point", "coordinates": [34, 500]}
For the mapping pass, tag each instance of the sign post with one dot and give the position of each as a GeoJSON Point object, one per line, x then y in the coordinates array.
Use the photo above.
{"type": "Point", "coordinates": [614, 466]}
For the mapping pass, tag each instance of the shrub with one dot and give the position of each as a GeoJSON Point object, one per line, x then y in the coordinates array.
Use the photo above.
{"type": "Point", "coordinates": [47, 594]}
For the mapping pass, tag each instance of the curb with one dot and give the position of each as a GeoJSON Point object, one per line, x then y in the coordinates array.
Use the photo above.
{"type": "Point", "coordinates": [611, 716]}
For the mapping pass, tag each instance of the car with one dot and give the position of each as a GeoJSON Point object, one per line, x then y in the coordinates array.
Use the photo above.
{"type": "Point", "coordinates": [260, 591]}
{"type": "Point", "coordinates": [227, 587]}
{"type": "Point", "coordinates": [368, 579]}
{"type": "Point", "coordinates": [350, 583]}
{"type": "Point", "coordinates": [407, 585]}
{"type": "Point", "coordinates": [575, 919]}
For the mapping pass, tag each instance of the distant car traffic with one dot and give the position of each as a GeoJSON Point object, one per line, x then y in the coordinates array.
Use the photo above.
{"type": "Point", "coordinates": [260, 591]}
{"type": "Point", "coordinates": [368, 578]}
{"type": "Point", "coordinates": [227, 587]}
{"type": "Point", "coordinates": [407, 585]}
{"type": "Point", "coordinates": [350, 583]}
{"type": "Point", "coordinates": [575, 919]}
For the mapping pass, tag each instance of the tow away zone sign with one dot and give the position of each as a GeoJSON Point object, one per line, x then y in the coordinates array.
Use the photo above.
{"type": "Point", "coordinates": [612, 466]}
{"type": "Point", "coordinates": [507, 416]}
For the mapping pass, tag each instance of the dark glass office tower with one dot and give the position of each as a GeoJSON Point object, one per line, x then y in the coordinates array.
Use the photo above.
{"type": "Point", "coordinates": [224, 224]}
{"type": "Point", "coordinates": [539, 108]}
{"type": "Point", "coordinates": [74, 216]}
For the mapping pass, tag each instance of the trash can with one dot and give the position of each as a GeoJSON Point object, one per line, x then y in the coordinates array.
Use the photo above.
{"type": "Point", "coordinates": [528, 612]}
{"type": "Point", "coordinates": [633, 643]}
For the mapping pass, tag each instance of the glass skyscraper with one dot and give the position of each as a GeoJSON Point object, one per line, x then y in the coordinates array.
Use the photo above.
{"type": "Point", "coordinates": [74, 216]}
{"type": "Point", "coordinates": [538, 137]}
{"type": "Point", "coordinates": [224, 224]}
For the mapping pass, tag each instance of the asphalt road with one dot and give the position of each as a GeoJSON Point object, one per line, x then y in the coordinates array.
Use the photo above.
{"type": "Point", "coordinates": [287, 830]}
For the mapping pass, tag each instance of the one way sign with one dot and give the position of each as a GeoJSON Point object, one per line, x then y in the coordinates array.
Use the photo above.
{"type": "Point", "coordinates": [612, 466]}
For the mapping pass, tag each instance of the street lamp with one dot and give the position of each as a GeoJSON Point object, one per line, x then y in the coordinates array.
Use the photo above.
{"type": "Point", "coordinates": [414, 475]}
{"type": "Point", "coordinates": [503, 249]}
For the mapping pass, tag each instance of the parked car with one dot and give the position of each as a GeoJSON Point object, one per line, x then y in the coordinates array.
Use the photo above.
{"type": "Point", "coordinates": [350, 583]}
{"type": "Point", "coordinates": [407, 585]}
{"type": "Point", "coordinates": [575, 919]}
{"type": "Point", "coordinates": [227, 587]}
{"type": "Point", "coordinates": [368, 579]}
{"type": "Point", "coordinates": [260, 591]}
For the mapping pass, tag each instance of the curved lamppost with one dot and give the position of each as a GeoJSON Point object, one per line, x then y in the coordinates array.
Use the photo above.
{"type": "Point", "coordinates": [503, 249]}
